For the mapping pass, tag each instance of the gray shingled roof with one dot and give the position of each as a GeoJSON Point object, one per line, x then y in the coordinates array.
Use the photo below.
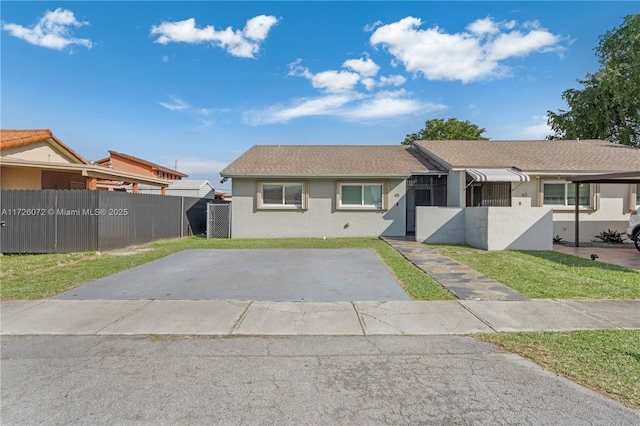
{"type": "Point", "coordinates": [589, 156]}
{"type": "Point", "coordinates": [329, 160]}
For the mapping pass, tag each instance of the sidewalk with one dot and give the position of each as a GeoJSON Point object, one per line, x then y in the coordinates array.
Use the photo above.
{"type": "Point", "coordinates": [250, 318]}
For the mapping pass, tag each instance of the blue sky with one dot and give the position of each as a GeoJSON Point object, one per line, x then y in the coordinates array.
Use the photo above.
{"type": "Point", "coordinates": [201, 82]}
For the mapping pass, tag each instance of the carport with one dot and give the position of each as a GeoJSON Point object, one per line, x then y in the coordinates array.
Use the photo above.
{"type": "Point", "coordinates": [632, 177]}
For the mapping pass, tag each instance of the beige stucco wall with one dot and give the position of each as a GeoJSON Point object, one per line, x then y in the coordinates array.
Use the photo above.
{"type": "Point", "coordinates": [612, 213]}
{"type": "Point", "coordinates": [39, 151]}
{"type": "Point", "coordinates": [321, 219]}
{"type": "Point", "coordinates": [20, 178]}
{"type": "Point", "coordinates": [456, 181]}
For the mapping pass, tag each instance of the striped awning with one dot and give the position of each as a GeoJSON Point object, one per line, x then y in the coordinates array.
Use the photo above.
{"type": "Point", "coordinates": [497, 175]}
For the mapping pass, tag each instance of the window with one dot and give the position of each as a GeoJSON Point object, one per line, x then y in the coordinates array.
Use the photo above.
{"type": "Point", "coordinates": [563, 194]}
{"type": "Point", "coordinates": [282, 195]}
{"type": "Point", "coordinates": [361, 195]}
{"type": "Point", "coordinates": [638, 194]}
{"type": "Point", "coordinates": [160, 175]}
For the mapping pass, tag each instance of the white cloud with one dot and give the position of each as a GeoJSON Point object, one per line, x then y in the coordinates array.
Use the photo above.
{"type": "Point", "coordinates": [323, 105]}
{"type": "Point", "coordinates": [341, 96]}
{"type": "Point", "coordinates": [392, 80]}
{"type": "Point", "coordinates": [483, 26]}
{"type": "Point", "coordinates": [537, 131]}
{"type": "Point", "coordinates": [258, 28]}
{"type": "Point", "coordinates": [243, 43]}
{"type": "Point", "coordinates": [517, 44]}
{"type": "Point", "coordinates": [364, 67]}
{"type": "Point", "coordinates": [335, 81]}
{"type": "Point", "coordinates": [509, 25]}
{"type": "Point", "coordinates": [200, 115]}
{"type": "Point", "coordinates": [177, 104]}
{"type": "Point", "coordinates": [369, 83]}
{"type": "Point", "coordinates": [330, 81]}
{"type": "Point", "coordinates": [53, 30]}
{"type": "Point", "coordinates": [338, 81]}
{"type": "Point", "coordinates": [388, 104]}
{"type": "Point", "coordinates": [370, 27]}
{"type": "Point", "coordinates": [465, 56]}
{"type": "Point", "coordinates": [353, 106]}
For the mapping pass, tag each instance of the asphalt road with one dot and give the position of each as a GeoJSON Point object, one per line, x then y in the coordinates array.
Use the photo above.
{"type": "Point", "coordinates": [321, 380]}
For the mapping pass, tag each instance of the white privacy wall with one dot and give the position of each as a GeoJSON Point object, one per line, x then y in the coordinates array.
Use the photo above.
{"type": "Point", "coordinates": [489, 228]}
{"type": "Point", "coordinates": [321, 219]}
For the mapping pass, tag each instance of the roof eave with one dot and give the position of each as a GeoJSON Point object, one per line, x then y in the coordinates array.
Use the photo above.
{"type": "Point", "coordinates": [433, 157]}
{"type": "Point", "coordinates": [87, 170]}
{"type": "Point", "coordinates": [333, 175]}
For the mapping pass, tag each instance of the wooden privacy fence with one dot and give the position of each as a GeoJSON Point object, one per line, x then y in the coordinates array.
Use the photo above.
{"type": "Point", "coordinates": [63, 221]}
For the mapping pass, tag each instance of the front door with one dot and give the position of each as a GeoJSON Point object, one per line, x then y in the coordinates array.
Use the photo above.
{"type": "Point", "coordinates": [424, 191]}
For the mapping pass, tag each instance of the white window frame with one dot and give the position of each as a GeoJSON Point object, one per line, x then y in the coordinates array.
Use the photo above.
{"type": "Point", "coordinates": [261, 205]}
{"type": "Point", "coordinates": [566, 205]}
{"type": "Point", "coordinates": [384, 186]}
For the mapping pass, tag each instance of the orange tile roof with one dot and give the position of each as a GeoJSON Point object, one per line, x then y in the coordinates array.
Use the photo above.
{"type": "Point", "coordinates": [536, 156]}
{"type": "Point", "coordinates": [148, 163]}
{"type": "Point", "coordinates": [11, 138]}
{"type": "Point", "coordinates": [329, 160]}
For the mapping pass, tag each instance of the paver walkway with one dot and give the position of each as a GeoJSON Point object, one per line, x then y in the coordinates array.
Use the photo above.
{"type": "Point", "coordinates": [462, 281]}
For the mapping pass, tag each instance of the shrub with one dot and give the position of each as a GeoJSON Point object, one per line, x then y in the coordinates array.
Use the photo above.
{"type": "Point", "coordinates": [612, 237]}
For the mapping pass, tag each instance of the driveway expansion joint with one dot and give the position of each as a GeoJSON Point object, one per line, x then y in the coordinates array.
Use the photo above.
{"type": "Point", "coordinates": [486, 322]}
{"type": "Point", "coordinates": [360, 319]}
{"type": "Point", "coordinates": [241, 318]}
{"type": "Point", "coordinates": [128, 314]}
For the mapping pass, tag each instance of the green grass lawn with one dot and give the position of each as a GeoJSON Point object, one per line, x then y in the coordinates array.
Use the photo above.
{"type": "Point", "coordinates": [607, 361]}
{"type": "Point", "coordinates": [547, 274]}
{"type": "Point", "coordinates": [42, 275]}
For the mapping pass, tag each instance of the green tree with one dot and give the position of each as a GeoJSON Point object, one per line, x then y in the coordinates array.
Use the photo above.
{"type": "Point", "coordinates": [608, 106]}
{"type": "Point", "coordinates": [451, 129]}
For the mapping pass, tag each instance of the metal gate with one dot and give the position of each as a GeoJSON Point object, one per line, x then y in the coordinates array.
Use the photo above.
{"type": "Point", "coordinates": [424, 190]}
{"type": "Point", "coordinates": [218, 220]}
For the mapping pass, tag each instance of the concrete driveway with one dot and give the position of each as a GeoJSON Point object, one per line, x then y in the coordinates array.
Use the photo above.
{"type": "Point", "coordinates": [628, 257]}
{"type": "Point", "coordinates": [319, 275]}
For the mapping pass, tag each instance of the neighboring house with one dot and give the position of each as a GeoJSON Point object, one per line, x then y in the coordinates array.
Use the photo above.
{"type": "Point", "coordinates": [186, 188]}
{"type": "Point", "coordinates": [129, 163]}
{"type": "Point", "coordinates": [491, 194]}
{"type": "Point", "coordinates": [548, 166]}
{"type": "Point", "coordinates": [36, 159]}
